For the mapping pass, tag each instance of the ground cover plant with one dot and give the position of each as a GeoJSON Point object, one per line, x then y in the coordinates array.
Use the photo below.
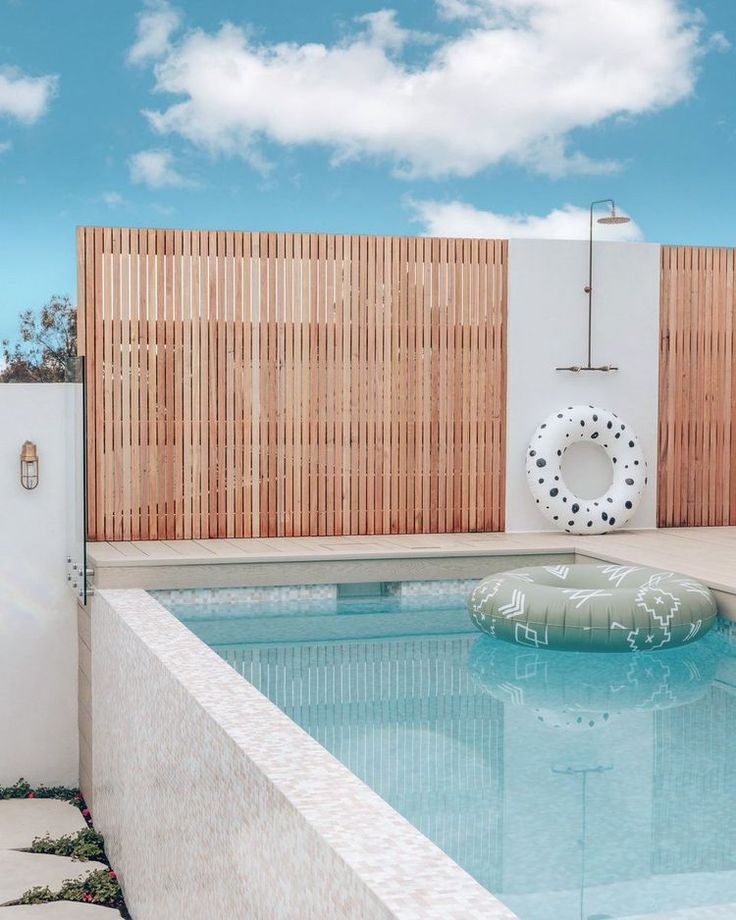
{"type": "Point", "coordinates": [100, 887]}
{"type": "Point", "coordinates": [24, 790]}
{"type": "Point", "coordinates": [84, 845]}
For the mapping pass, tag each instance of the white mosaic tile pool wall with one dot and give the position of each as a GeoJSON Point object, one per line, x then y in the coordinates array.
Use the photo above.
{"type": "Point", "coordinates": [215, 805]}
{"type": "Point", "coordinates": [255, 596]}
{"type": "Point", "coordinates": [248, 596]}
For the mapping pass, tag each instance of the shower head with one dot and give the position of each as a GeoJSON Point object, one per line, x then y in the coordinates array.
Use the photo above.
{"type": "Point", "coordinates": [613, 217]}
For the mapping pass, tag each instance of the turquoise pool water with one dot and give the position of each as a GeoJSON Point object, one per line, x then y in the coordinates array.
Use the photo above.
{"type": "Point", "coordinates": [571, 785]}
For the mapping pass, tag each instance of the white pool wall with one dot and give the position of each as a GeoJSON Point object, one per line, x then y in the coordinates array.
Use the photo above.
{"type": "Point", "coordinates": [214, 803]}
{"type": "Point", "coordinates": [548, 327]}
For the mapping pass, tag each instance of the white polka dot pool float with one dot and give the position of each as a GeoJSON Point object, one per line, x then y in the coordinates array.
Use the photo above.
{"type": "Point", "coordinates": [555, 500]}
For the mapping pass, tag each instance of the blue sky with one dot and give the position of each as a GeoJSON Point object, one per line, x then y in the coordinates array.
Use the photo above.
{"type": "Point", "coordinates": [478, 117]}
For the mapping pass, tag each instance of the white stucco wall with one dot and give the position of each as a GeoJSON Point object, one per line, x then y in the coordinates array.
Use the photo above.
{"type": "Point", "coordinates": [547, 327]}
{"type": "Point", "coordinates": [38, 631]}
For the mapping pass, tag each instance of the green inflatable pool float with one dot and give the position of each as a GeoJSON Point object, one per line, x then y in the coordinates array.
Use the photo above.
{"type": "Point", "coordinates": [593, 608]}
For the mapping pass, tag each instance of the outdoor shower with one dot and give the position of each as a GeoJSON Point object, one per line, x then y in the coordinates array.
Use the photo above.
{"type": "Point", "coordinates": [612, 218]}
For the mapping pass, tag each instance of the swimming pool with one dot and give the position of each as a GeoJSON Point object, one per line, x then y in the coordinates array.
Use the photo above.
{"type": "Point", "coordinates": [570, 785]}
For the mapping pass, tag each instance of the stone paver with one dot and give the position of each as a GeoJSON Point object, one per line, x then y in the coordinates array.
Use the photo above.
{"type": "Point", "coordinates": [59, 910]}
{"type": "Point", "coordinates": [21, 871]}
{"type": "Point", "coordinates": [23, 819]}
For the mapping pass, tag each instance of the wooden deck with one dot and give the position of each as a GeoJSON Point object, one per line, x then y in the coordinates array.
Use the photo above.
{"type": "Point", "coordinates": [705, 553]}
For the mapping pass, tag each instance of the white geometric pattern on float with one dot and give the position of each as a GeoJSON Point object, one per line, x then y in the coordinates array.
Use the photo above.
{"type": "Point", "coordinates": [553, 497]}
{"type": "Point", "coordinates": [641, 610]}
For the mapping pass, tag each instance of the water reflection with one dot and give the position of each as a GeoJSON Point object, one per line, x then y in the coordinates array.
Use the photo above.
{"type": "Point", "coordinates": [618, 789]}
{"type": "Point", "coordinates": [572, 785]}
{"type": "Point", "coordinates": [579, 690]}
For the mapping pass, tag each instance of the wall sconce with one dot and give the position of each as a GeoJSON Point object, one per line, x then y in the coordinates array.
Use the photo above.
{"type": "Point", "coordinates": [29, 466]}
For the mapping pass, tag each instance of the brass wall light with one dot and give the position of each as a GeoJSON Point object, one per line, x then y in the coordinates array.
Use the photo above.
{"type": "Point", "coordinates": [29, 465]}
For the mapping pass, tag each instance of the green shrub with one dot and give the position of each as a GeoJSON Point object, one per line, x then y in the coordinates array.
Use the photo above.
{"type": "Point", "coordinates": [99, 887]}
{"type": "Point", "coordinates": [38, 895]}
{"type": "Point", "coordinates": [84, 845]}
{"type": "Point", "coordinates": [24, 790]}
{"type": "Point", "coordinates": [65, 793]}
{"type": "Point", "coordinates": [19, 790]}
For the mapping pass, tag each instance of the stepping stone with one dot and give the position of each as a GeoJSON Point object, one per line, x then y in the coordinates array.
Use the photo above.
{"type": "Point", "coordinates": [21, 871]}
{"type": "Point", "coordinates": [23, 819]}
{"type": "Point", "coordinates": [59, 910]}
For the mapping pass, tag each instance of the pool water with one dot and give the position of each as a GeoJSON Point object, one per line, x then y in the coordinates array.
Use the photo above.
{"type": "Point", "coordinates": [571, 785]}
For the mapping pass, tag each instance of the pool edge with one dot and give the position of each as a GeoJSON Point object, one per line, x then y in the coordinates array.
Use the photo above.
{"type": "Point", "coordinates": [326, 842]}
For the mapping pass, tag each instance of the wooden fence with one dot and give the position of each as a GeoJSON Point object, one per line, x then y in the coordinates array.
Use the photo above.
{"type": "Point", "coordinates": [246, 384]}
{"type": "Point", "coordinates": [697, 393]}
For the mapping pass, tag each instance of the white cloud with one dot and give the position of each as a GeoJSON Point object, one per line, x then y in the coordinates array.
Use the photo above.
{"type": "Point", "coordinates": [512, 85]}
{"type": "Point", "coordinates": [156, 25]}
{"type": "Point", "coordinates": [155, 168]}
{"type": "Point", "coordinates": [457, 218]}
{"type": "Point", "coordinates": [459, 9]}
{"type": "Point", "coordinates": [718, 42]}
{"type": "Point", "coordinates": [112, 199]}
{"type": "Point", "coordinates": [5, 146]}
{"type": "Point", "coordinates": [383, 31]}
{"type": "Point", "coordinates": [25, 98]}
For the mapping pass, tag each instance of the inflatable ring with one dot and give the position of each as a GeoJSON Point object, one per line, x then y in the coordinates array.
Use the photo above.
{"type": "Point", "coordinates": [544, 470]}
{"type": "Point", "coordinates": [593, 608]}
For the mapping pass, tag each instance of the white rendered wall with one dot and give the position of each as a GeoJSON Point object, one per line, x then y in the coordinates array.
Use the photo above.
{"type": "Point", "coordinates": [547, 327]}
{"type": "Point", "coordinates": [38, 629]}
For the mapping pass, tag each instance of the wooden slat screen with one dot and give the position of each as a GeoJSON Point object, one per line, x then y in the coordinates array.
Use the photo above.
{"type": "Point", "coordinates": [697, 390]}
{"type": "Point", "coordinates": [246, 384]}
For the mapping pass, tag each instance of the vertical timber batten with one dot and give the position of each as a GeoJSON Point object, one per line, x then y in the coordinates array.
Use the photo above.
{"type": "Point", "coordinates": [697, 388]}
{"type": "Point", "coordinates": [245, 384]}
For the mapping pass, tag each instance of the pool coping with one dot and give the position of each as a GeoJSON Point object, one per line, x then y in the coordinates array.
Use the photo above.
{"type": "Point", "coordinates": [411, 878]}
{"type": "Point", "coordinates": [223, 562]}
{"type": "Point", "coordinates": [295, 556]}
